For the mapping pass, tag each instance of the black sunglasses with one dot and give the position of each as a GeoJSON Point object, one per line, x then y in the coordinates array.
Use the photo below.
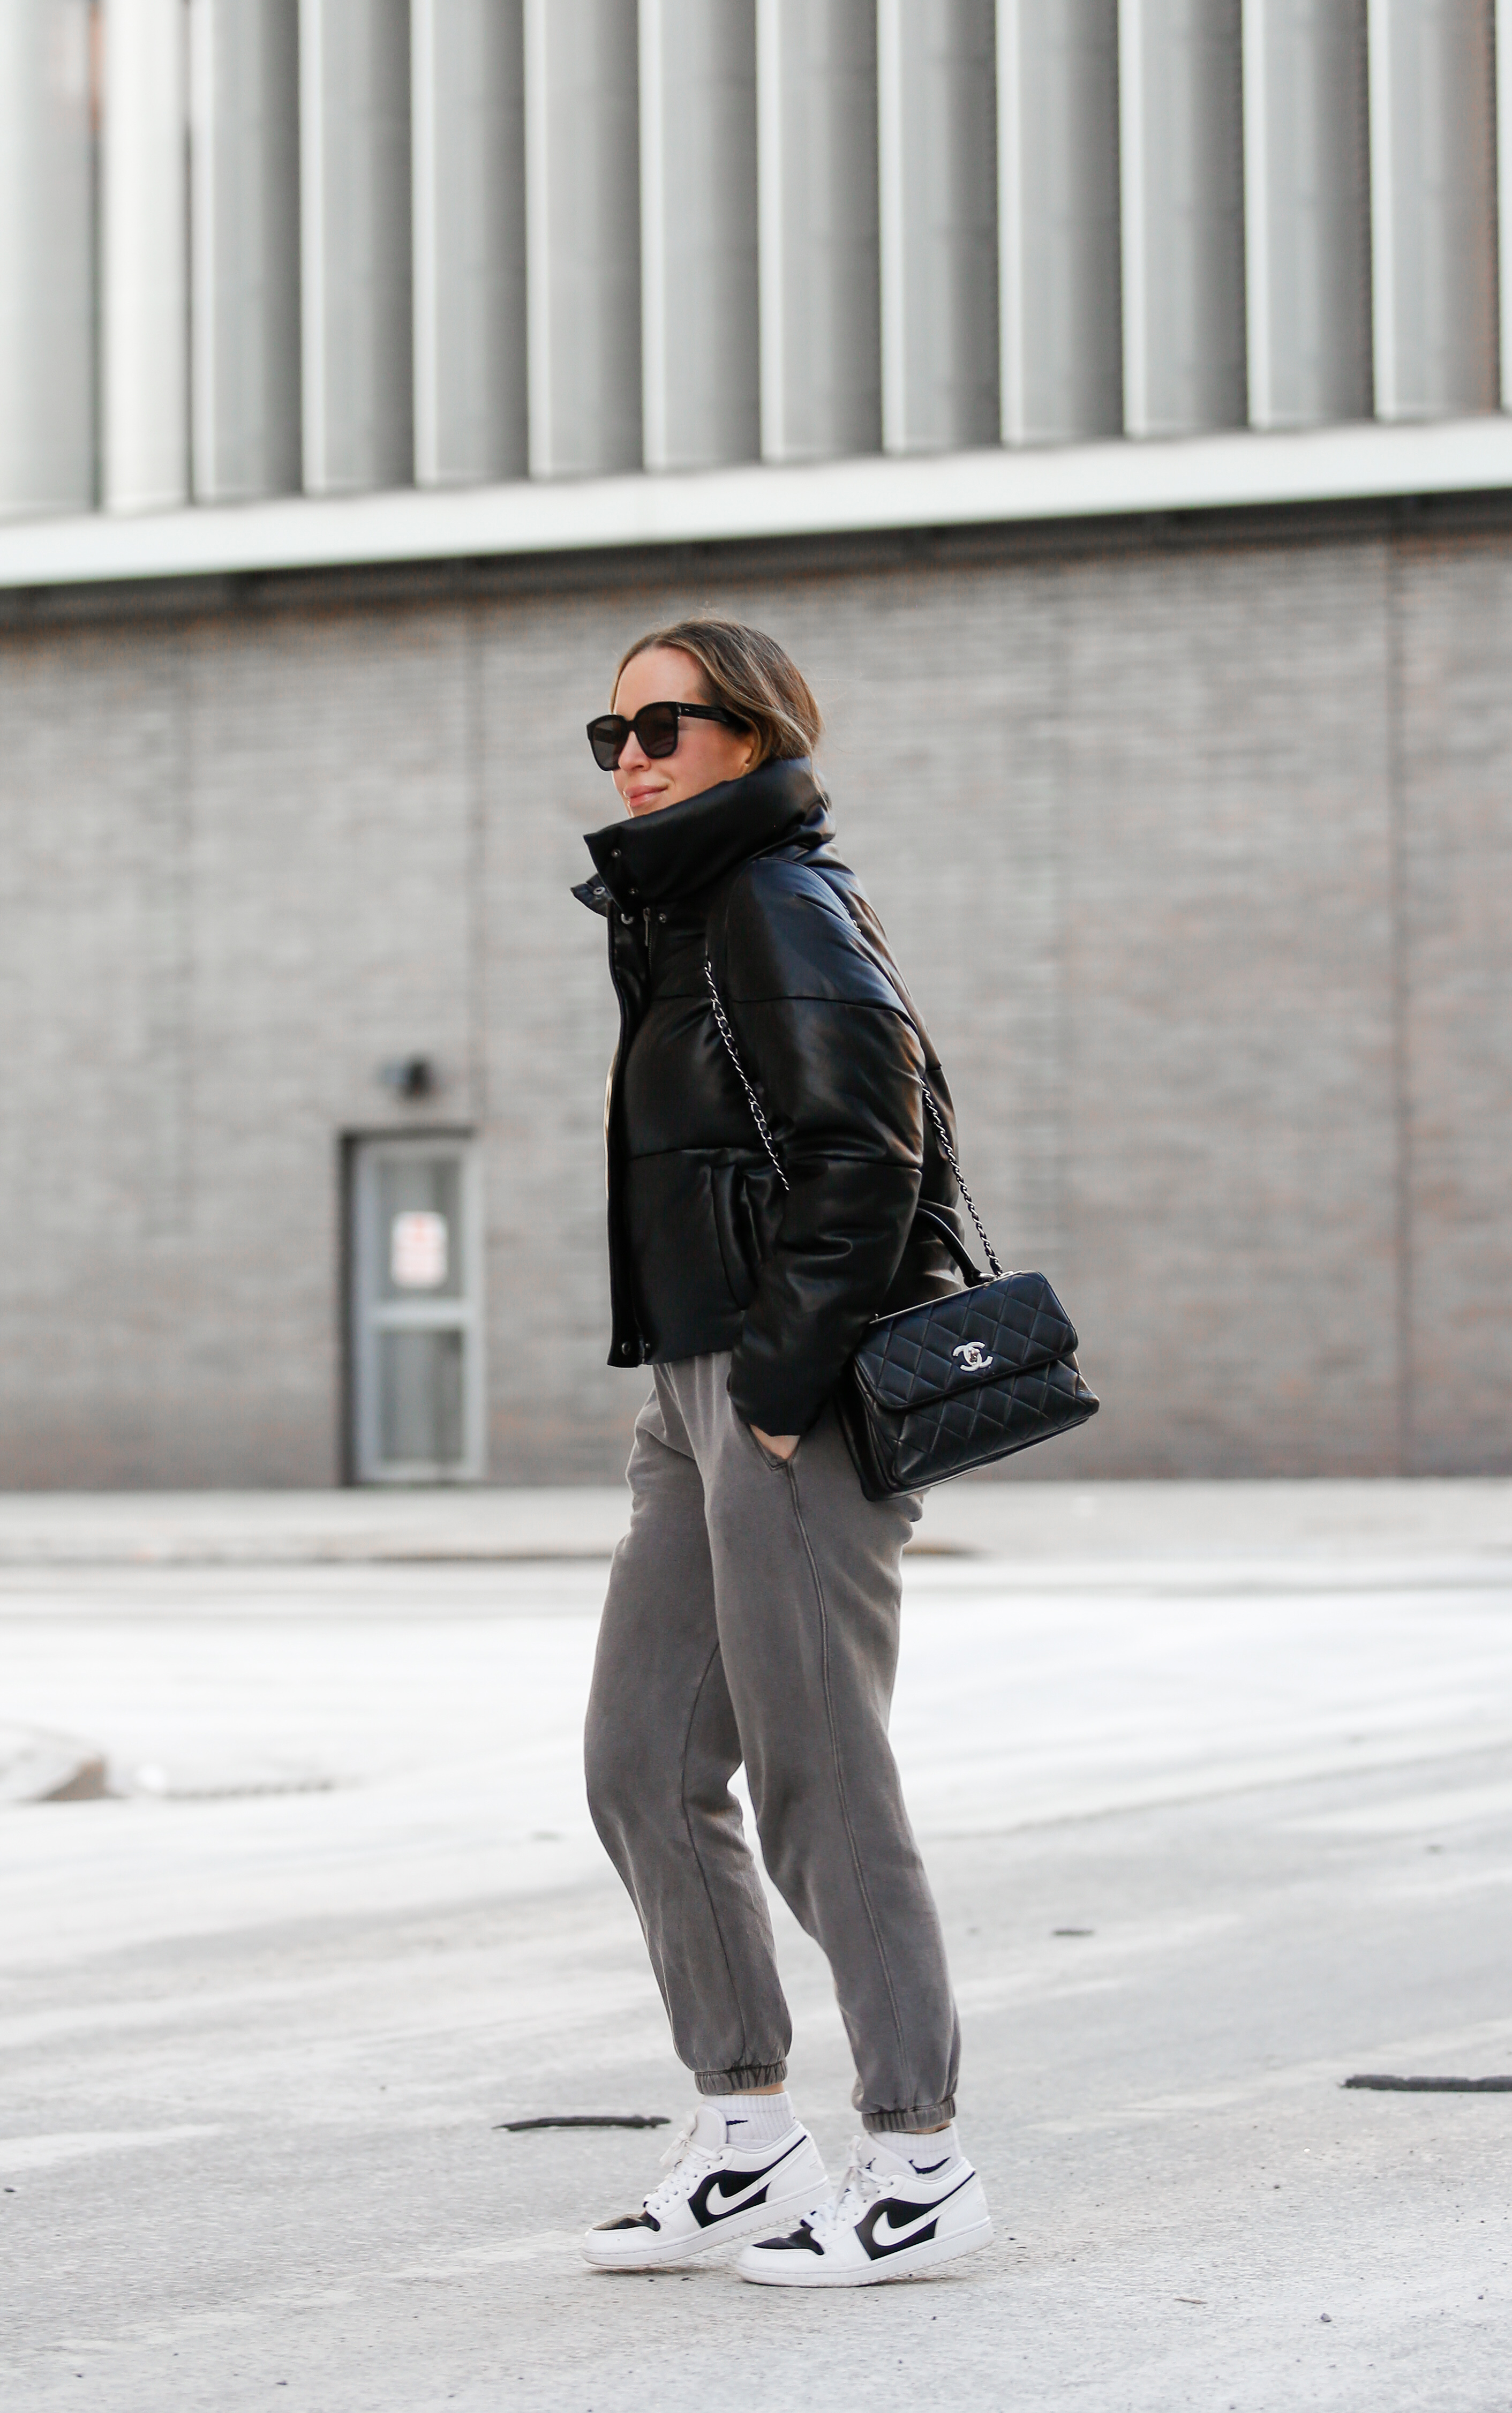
{"type": "Point", "coordinates": [654, 726]}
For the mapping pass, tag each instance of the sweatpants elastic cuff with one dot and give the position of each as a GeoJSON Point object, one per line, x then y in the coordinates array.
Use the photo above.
{"type": "Point", "coordinates": [741, 2081]}
{"type": "Point", "coordinates": [908, 2124]}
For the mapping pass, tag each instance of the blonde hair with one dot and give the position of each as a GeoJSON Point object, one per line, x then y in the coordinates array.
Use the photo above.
{"type": "Point", "coordinates": [746, 672]}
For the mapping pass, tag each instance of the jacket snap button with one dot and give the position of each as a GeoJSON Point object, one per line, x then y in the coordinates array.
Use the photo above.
{"type": "Point", "coordinates": [661, 917]}
{"type": "Point", "coordinates": [626, 917]}
{"type": "Point", "coordinates": [613, 854]}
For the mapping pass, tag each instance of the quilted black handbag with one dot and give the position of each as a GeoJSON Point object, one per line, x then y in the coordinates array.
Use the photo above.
{"type": "Point", "coordinates": [955, 1382]}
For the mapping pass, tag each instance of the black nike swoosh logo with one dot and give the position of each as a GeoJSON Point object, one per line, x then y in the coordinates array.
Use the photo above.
{"type": "Point", "coordinates": [726, 2192]}
{"type": "Point", "coordinates": [892, 2243]}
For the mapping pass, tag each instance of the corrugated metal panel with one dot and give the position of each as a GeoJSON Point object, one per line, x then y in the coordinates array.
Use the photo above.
{"type": "Point", "coordinates": [1434, 194]}
{"type": "Point", "coordinates": [245, 248]}
{"type": "Point", "coordinates": [468, 242]}
{"type": "Point", "coordinates": [1503, 188]}
{"type": "Point", "coordinates": [1307, 210]}
{"type": "Point", "coordinates": [1503, 168]}
{"type": "Point", "coordinates": [467, 102]}
{"type": "Point", "coordinates": [47, 269]}
{"type": "Point", "coordinates": [1058, 174]}
{"type": "Point", "coordinates": [821, 358]}
{"type": "Point", "coordinates": [582, 231]}
{"type": "Point", "coordinates": [144, 318]}
{"type": "Point", "coordinates": [355, 253]}
{"type": "Point", "coordinates": [1182, 181]}
{"type": "Point", "coordinates": [699, 233]}
{"type": "Point", "coordinates": [937, 119]}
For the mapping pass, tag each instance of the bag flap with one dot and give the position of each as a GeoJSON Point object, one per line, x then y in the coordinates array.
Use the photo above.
{"type": "Point", "coordinates": [953, 1344]}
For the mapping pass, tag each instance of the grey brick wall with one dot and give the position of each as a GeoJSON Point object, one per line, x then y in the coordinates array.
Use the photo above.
{"type": "Point", "coordinates": [1199, 857]}
{"type": "Point", "coordinates": [1452, 780]}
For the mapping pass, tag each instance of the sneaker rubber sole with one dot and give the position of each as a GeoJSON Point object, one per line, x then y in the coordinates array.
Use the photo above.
{"type": "Point", "coordinates": [739, 2228]}
{"type": "Point", "coordinates": [902, 2265]}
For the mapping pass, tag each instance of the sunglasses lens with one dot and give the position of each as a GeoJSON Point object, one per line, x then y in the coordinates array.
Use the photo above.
{"type": "Point", "coordinates": [607, 737]}
{"type": "Point", "coordinates": [655, 725]}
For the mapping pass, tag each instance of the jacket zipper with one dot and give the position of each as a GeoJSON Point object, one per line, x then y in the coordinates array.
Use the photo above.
{"type": "Point", "coordinates": [624, 1353]}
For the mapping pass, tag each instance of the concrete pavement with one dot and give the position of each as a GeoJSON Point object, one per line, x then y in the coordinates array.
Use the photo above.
{"type": "Point", "coordinates": [1216, 1787]}
{"type": "Point", "coordinates": [1011, 1521]}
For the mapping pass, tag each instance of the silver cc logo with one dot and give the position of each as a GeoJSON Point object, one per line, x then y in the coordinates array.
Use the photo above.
{"type": "Point", "coordinates": [972, 1360]}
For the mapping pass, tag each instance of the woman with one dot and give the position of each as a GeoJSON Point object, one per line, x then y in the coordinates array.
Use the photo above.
{"type": "Point", "coordinates": [752, 1613]}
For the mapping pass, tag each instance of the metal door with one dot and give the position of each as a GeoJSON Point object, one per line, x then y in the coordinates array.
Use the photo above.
{"type": "Point", "coordinates": [417, 1322]}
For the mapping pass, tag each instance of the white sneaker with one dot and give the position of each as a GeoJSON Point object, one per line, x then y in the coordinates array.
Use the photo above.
{"type": "Point", "coordinates": [713, 2191]}
{"type": "Point", "coordinates": [883, 2223]}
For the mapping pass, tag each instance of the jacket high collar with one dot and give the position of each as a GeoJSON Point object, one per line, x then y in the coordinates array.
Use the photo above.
{"type": "Point", "coordinates": [687, 847]}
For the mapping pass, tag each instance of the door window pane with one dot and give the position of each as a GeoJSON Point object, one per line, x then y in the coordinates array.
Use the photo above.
{"type": "Point", "coordinates": [416, 1194]}
{"type": "Point", "coordinates": [417, 1372]}
{"type": "Point", "coordinates": [418, 1251]}
{"type": "Point", "coordinates": [420, 1391]}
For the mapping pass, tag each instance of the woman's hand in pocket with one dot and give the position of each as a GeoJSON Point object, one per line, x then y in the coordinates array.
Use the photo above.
{"type": "Point", "coordinates": [777, 1445]}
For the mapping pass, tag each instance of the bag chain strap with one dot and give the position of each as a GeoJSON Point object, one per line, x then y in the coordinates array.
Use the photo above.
{"type": "Point", "coordinates": [954, 1162]}
{"type": "Point", "coordinates": [935, 1116]}
{"type": "Point", "coordinates": [729, 1038]}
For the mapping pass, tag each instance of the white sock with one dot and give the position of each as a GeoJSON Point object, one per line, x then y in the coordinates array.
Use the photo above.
{"type": "Point", "coordinates": [925, 2157]}
{"type": "Point", "coordinates": [753, 2120]}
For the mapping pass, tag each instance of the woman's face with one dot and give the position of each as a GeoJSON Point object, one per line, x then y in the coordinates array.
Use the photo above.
{"type": "Point", "coordinates": [707, 753]}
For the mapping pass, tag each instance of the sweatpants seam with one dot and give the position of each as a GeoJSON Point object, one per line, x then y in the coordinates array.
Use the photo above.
{"type": "Point", "coordinates": [839, 1777]}
{"type": "Point", "coordinates": [697, 1858]}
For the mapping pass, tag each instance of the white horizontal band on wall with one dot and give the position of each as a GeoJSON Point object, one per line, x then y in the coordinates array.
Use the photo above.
{"type": "Point", "coordinates": [1231, 471]}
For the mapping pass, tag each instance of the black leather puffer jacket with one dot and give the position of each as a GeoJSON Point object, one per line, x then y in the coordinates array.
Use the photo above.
{"type": "Point", "coordinates": [706, 1250]}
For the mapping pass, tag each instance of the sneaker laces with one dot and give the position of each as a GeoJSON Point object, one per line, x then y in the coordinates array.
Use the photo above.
{"type": "Point", "coordinates": [672, 2160]}
{"type": "Point", "coordinates": [680, 2144]}
{"type": "Point", "coordinates": [861, 2185]}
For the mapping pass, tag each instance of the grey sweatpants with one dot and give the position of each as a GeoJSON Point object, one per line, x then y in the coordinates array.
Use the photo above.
{"type": "Point", "coordinates": [753, 1616]}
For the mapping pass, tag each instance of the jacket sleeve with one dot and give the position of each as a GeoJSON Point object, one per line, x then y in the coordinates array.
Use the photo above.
{"type": "Point", "coordinates": [840, 1066]}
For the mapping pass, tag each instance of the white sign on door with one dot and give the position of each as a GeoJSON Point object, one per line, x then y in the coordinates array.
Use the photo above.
{"type": "Point", "coordinates": [417, 1250]}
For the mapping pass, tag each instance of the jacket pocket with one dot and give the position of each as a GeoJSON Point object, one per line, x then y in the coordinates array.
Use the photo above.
{"type": "Point", "coordinates": [758, 1201]}
{"type": "Point", "coordinates": [734, 1232]}
{"type": "Point", "coordinates": [777, 1465]}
